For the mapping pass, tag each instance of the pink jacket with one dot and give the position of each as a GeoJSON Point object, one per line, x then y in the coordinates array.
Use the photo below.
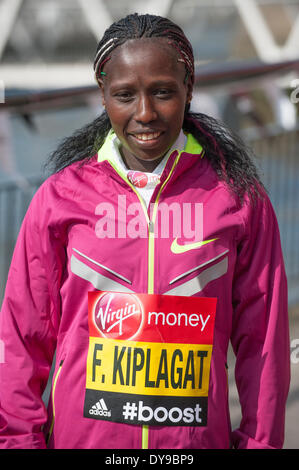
{"type": "Point", "coordinates": [136, 369]}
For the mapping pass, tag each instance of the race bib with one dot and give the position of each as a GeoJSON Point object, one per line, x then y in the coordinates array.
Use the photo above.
{"type": "Point", "coordinates": [149, 358]}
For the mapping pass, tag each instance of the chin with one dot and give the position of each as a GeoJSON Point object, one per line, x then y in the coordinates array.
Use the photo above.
{"type": "Point", "coordinates": [150, 159]}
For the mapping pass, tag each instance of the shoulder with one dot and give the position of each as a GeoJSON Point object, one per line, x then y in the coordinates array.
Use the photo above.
{"type": "Point", "coordinates": [253, 212]}
{"type": "Point", "coordinates": [56, 196]}
{"type": "Point", "coordinates": [258, 215]}
{"type": "Point", "coordinates": [67, 179]}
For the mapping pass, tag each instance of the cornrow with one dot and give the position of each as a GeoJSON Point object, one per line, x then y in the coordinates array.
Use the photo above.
{"type": "Point", "coordinates": [144, 26]}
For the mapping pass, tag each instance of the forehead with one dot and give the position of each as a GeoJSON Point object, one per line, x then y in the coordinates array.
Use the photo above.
{"type": "Point", "coordinates": [149, 55]}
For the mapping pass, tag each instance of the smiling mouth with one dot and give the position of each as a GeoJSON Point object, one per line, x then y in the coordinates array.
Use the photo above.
{"type": "Point", "coordinates": [145, 137]}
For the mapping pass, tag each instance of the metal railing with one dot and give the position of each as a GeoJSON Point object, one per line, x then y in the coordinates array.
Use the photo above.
{"type": "Point", "coordinates": [15, 197]}
{"type": "Point", "coordinates": [278, 158]}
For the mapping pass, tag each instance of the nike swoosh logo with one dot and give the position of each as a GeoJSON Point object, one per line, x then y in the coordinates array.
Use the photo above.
{"type": "Point", "coordinates": [177, 249]}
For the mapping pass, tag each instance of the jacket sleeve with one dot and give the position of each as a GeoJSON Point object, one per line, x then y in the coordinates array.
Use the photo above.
{"type": "Point", "coordinates": [260, 331]}
{"type": "Point", "coordinates": [28, 329]}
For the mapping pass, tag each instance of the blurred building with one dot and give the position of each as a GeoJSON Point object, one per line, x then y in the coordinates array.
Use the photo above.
{"type": "Point", "coordinates": [51, 43]}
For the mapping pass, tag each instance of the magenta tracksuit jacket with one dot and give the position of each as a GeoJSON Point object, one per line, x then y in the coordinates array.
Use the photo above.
{"type": "Point", "coordinates": [140, 306]}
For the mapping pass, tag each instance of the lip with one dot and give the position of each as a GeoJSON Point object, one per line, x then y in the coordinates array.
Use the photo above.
{"type": "Point", "coordinates": [146, 137]}
{"type": "Point", "coordinates": [145, 131]}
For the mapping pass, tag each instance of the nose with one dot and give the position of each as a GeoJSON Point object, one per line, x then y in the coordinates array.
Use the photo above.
{"type": "Point", "coordinates": [145, 111]}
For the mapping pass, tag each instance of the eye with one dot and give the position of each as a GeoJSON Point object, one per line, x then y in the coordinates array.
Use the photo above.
{"type": "Point", "coordinates": [123, 96]}
{"type": "Point", "coordinates": [163, 93]}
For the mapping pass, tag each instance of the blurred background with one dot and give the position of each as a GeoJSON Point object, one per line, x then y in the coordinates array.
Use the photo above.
{"type": "Point", "coordinates": [247, 74]}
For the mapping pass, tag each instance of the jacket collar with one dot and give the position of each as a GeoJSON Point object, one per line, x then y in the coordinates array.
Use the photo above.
{"type": "Point", "coordinates": [177, 162]}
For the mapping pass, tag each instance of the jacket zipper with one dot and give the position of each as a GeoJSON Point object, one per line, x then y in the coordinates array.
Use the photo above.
{"type": "Point", "coordinates": [53, 401]}
{"type": "Point", "coordinates": [151, 257]}
{"type": "Point", "coordinates": [151, 229]}
{"type": "Point", "coordinates": [151, 250]}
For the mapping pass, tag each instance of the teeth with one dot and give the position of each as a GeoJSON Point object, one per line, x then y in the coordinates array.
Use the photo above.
{"type": "Point", "coordinates": [147, 136]}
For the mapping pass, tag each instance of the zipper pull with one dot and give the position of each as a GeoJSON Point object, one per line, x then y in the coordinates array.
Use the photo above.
{"type": "Point", "coordinates": [151, 227]}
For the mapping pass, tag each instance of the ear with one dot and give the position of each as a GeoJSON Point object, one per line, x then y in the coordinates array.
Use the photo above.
{"type": "Point", "coordinates": [101, 86]}
{"type": "Point", "coordinates": [189, 86]}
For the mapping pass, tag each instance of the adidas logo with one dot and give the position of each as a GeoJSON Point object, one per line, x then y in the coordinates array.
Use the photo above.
{"type": "Point", "coordinates": [100, 409]}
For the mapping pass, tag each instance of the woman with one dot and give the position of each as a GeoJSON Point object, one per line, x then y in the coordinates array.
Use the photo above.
{"type": "Point", "coordinates": [151, 246]}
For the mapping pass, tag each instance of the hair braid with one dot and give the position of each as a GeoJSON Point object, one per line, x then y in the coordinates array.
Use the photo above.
{"type": "Point", "coordinates": [143, 26]}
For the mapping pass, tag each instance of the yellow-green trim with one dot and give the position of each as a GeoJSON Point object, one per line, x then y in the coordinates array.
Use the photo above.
{"type": "Point", "coordinates": [193, 147]}
{"type": "Point", "coordinates": [144, 437]}
{"type": "Point", "coordinates": [151, 246]}
{"type": "Point", "coordinates": [53, 402]}
{"type": "Point", "coordinates": [106, 150]}
{"type": "Point", "coordinates": [151, 254]}
{"type": "Point", "coordinates": [124, 177]}
{"type": "Point", "coordinates": [106, 147]}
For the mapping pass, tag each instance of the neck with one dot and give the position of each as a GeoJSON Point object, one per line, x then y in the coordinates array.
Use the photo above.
{"type": "Point", "coordinates": [134, 163]}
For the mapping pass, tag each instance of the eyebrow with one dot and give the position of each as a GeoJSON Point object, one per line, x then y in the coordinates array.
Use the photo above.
{"type": "Point", "coordinates": [157, 83]}
{"type": "Point", "coordinates": [165, 83]}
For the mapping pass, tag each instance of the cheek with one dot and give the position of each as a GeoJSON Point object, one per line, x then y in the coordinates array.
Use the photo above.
{"type": "Point", "coordinates": [173, 109]}
{"type": "Point", "coordinates": [170, 112]}
{"type": "Point", "coordinates": [118, 117]}
{"type": "Point", "coordinates": [174, 114]}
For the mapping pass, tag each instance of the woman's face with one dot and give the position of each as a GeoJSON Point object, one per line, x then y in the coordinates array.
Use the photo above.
{"type": "Point", "coordinates": [145, 97]}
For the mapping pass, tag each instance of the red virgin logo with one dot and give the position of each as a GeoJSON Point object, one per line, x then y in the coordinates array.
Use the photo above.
{"type": "Point", "coordinates": [137, 178]}
{"type": "Point", "coordinates": [118, 316]}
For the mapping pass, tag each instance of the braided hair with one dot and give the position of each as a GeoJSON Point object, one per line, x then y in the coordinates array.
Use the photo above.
{"type": "Point", "coordinates": [225, 151]}
{"type": "Point", "coordinates": [144, 26]}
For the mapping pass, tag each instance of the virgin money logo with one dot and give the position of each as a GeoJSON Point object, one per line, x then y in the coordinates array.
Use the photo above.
{"type": "Point", "coordinates": [118, 316]}
{"type": "Point", "coordinates": [137, 178]}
